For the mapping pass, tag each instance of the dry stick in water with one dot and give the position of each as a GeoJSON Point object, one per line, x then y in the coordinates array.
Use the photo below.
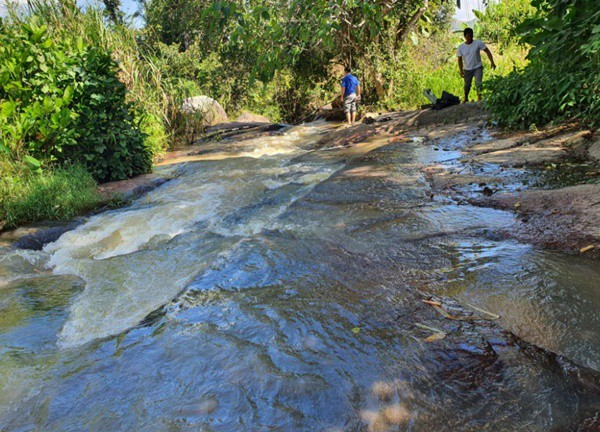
{"type": "Point", "coordinates": [438, 307]}
{"type": "Point", "coordinates": [493, 316]}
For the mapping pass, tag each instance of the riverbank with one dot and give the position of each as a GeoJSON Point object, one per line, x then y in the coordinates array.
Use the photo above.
{"type": "Point", "coordinates": [548, 179]}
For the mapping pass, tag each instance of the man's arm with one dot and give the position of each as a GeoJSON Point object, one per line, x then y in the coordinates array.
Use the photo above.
{"type": "Point", "coordinates": [460, 67]}
{"type": "Point", "coordinates": [358, 91]}
{"type": "Point", "coordinates": [489, 54]}
{"type": "Point", "coordinates": [343, 91]}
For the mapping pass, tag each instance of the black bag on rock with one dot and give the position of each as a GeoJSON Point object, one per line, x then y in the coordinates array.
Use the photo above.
{"type": "Point", "coordinates": [447, 99]}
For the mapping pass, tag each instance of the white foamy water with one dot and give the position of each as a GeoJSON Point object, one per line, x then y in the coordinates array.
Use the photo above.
{"type": "Point", "coordinates": [136, 259]}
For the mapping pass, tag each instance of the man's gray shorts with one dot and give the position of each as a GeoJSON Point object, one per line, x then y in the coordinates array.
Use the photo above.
{"type": "Point", "coordinates": [478, 74]}
{"type": "Point", "coordinates": [350, 103]}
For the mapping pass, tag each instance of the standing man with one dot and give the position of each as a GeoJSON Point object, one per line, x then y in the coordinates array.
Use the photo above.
{"type": "Point", "coordinates": [469, 62]}
{"type": "Point", "coordinates": [350, 95]}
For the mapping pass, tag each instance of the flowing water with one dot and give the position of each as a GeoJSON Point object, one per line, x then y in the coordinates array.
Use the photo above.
{"type": "Point", "coordinates": [272, 285]}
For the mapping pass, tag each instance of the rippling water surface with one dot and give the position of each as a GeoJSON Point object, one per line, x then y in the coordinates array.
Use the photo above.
{"type": "Point", "coordinates": [272, 286]}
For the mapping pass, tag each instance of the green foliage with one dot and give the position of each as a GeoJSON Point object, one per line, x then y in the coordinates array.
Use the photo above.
{"type": "Point", "coordinates": [112, 8]}
{"type": "Point", "coordinates": [245, 44]}
{"type": "Point", "coordinates": [52, 195]}
{"type": "Point", "coordinates": [431, 64]}
{"type": "Point", "coordinates": [542, 93]}
{"type": "Point", "coordinates": [565, 32]}
{"type": "Point", "coordinates": [562, 81]}
{"type": "Point", "coordinates": [62, 102]}
{"type": "Point", "coordinates": [147, 90]}
{"type": "Point", "coordinates": [500, 21]}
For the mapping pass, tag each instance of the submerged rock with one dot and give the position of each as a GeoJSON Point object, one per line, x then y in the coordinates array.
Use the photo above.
{"type": "Point", "coordinates": [36, 236]}
{"type": "Point", "coordinates": [133, 187]}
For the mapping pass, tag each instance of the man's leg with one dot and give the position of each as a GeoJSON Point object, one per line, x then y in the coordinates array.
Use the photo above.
{"type": "Point", "coordinates": [468, 82]}
{"type": "Point", "coordinates": [353, 115]}
{"type": "Point", "coordinates": [348, 109]}
{"type": "Point", "coordinates": [479, 82]}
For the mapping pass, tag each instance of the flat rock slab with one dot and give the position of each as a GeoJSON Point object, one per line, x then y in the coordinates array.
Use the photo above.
{"type": "Point", "coordinates": [548, 150]}
{"type": "Point", "coordinates": [594, 150]}
{"type": "Point", "coordinates": [515, 139]}
{"type": "Point", "coordinates": [468, 112]}
{"type": "Point", "coordinates": [236, 125]}
{"type": "Point", "coordinates": [566, 218]}
{"type": "Point", "coordinates": [35, 236]}
{"type": "Point", "coordinates": [347, 135]}
{"type": "Point", "coordinates": [242, 131]}
{"type": "Point", "coordinates": [131, 187]}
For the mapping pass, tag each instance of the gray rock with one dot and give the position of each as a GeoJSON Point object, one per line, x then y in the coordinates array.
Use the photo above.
{"type": "Point", "coordinates": [248, 117]}
{"type": "Point", "coordinates": [36, 236]}
{"type": "Point", "coordinates": [211, 111]}
{"type": "Point", "coordinates": [594, 150]}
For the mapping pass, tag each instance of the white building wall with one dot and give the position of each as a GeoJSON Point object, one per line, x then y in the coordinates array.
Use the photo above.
{"type": "Point", "coordinates": [464, 9]}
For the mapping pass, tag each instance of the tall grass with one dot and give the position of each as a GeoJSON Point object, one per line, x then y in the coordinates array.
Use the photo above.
{"type": "Point", "coordinates": [432, 65]}
{"type": "Point", "coordinates": [57, 194]}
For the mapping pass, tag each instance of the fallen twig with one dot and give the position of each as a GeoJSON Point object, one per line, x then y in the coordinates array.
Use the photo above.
{"type": "Point", "coordinates": [435, 337]}
{"type": "Point", "coordinates": [447, 315]}
{"type": "Point", "coordinates": [432, 303]}
{"type": "Point", "coordinates": [483, 311]}
{"type": "Point", "coordinates": [431, 329]}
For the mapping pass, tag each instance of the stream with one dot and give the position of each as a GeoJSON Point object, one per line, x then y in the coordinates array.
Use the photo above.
{"type": "Point", "coordinates": [275, 285]}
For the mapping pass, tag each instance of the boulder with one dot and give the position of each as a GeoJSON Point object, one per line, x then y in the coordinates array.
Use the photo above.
{"type": "Point", "coordinates": [337, 103]}
{"type": "Point", "coordinates": [248, 117]}
{"type": "Point", "coordinates": [211, 111]}
{"type": "Point", "coordinates": [594, 150]}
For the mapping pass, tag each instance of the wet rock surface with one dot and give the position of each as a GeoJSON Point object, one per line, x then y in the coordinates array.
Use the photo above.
{"type": "Point", "coordinates": [565, 218]}
{"type": "Point", "coordinates": [285, 288]}
{"type": "Point", "coordinates": [35, 236]}
{"type": "Point", "coordinates": [131, 188]}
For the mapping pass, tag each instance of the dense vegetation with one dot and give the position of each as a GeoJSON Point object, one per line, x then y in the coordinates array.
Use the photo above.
{"type": "Point", "coordinates": [85, 94]}
{"type": "Point", "coordinates": [562, 80]}
{"type": "Point", "coordinates": [63, 103]}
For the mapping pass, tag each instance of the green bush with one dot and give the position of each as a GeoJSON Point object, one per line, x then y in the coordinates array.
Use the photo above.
{"type": "Point", "coordinates": [62, 193]}
{"type": "Point", "coordinates": [62, 102]}
{"type": "Point", "coordinates": [540, 94]}
{"type": "Point", "coordinates": [562, 81]}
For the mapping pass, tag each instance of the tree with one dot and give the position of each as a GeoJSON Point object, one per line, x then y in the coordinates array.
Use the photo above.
{"type": "Point", "coordinates": [350, 32]}
{"type": "Point", "coordinates": [112, 8]}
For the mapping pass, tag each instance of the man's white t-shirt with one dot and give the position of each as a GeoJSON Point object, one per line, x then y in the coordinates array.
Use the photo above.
{"type": "Point", "coordinates": [471, 54]}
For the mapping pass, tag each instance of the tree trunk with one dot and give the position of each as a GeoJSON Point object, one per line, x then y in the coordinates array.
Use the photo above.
{"type": "Point", "coordinates": [402, 32]}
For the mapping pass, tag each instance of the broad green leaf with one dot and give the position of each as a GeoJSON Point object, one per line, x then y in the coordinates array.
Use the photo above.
{"type": "Point", "coordinates": [8, 108]}
{"type": "Point", "coordinates": [414, 38]}
{"type": "Point", "coordinates": [32, 162]}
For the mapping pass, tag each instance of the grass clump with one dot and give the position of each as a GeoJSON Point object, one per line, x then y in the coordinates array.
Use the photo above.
{"type": "Point", "coordinates": [61, 193]}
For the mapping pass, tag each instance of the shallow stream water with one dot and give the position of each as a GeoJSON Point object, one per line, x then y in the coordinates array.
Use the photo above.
{"type": "Point", "coordinates": [272, 285]}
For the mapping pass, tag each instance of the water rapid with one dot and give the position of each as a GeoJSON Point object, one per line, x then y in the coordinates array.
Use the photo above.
{"type": "Point", "coordinates": [276, 285]}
